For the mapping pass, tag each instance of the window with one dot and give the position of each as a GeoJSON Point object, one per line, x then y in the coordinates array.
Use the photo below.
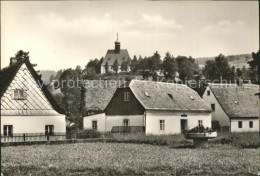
{"type": "Point", "coordinates": [8, 130]}
{"type": "Point", "coordinates": [240, 124]}
{"type": "Point", "coordinates": [162, 125]}
{"type": "Point", "coordinates": [94, 125]}
{"type": "Point", "coordinates": [49, 129]}
{"type": "Point", "coordinates": [19, 94]}
{"type": "Point", "coordinates": [250, 124]}
{"type": "Point", "coordinates": [126, 122]}
{"type": "Point", "coordinates": [127, 96]}
{"type": "Point", "coordinates": [208, 92]}
{"type": "Point", "coordinates": [200, 123]}
{"type": "Point", "coordinates": [213, 107]}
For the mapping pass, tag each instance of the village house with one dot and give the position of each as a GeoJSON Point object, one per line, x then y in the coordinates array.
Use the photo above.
{"type": "Point", "coordinates": [153, 108]}
{"type": "Point", "coordinates": [235, 107]}
{"type": "Point", "coordinates": [26, 104]}
{"type": "Point", "coordinates": [121, 55]}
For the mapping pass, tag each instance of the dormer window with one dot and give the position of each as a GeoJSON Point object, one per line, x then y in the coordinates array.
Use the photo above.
{"type": "Point", "coordinates": [127, 96]}
{"type": "Point", "coordinates": [170, 95]}
{"type": "Point", "coordinates": [191, 97]}
{"type": "Point", "coordinates": [146, 93]}
{"type": "Point", "coordinates": [19, 94]}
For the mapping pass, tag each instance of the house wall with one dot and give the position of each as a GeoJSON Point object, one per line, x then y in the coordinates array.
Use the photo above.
{"type": "Point", "coordinates": [117, 120]}
{"type": "Point", "coordinates": [34, 124]}
{"type": "Point", "coordinates": [218, 114]}
{"type": "Point", "coordinates": [245, 125]}
{"type": "Point", "coordinates": [118, 106]}
{"type": "Point", "coordinates": [100, 118]}
{"type": "Point", "coordinates": [173, 121]}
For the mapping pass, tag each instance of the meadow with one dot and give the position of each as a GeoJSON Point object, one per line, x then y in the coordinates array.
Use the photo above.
{"type": "Point", "coordinates": [127, 159]}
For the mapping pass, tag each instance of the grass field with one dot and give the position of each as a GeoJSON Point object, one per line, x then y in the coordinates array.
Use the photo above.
{"type": "Point", "coordinates": [127, 159]}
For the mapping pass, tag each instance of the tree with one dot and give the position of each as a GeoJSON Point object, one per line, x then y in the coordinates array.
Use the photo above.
{"type": "Point", "coordinates": [154, 62]}
{"type": "Point", "coordinates": [96, 64]}
{"type": "Point", "coordinates": [18, 56]}
{"type": "Point", "coordinates": [124, 66]}
{"type": "Point", "coordinates": [239, 72]}
{"type": "Point", "coordinates": [254, 67]}
{"type": "Point", "coordinates": [218, 69]}
{"type": "Point", "coordinates": [169, 65]}
{"type": "Point", "coordinates": [106, 67]}
{"type": "Point", "coordinates": [134, 64]}
{"type": "Point", "coordinates": [186, 67]}
{"type": "Point", "coordinates": [115, 66]}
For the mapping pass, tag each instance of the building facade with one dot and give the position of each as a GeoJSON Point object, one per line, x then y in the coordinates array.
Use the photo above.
{"type": "Point", "coordinates": [26, 104]}
{"type": "Point", "coordinates": [158, 108]}
{"type": "Point", "coordinates": [235, 108]}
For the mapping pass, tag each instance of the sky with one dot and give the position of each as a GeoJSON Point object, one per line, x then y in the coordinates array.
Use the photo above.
{"type": "Point", "coordinates": [60, 35]}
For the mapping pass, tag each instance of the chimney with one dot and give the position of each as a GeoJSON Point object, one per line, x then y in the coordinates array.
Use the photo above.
{"type": "Point", "coordinates": [13, 60]}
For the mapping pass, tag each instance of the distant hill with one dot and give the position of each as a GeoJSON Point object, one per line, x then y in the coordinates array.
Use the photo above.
{"type": "Point", "coordinates": [46, 74]}
{"type": "Point", "coordinates": [238, 61]}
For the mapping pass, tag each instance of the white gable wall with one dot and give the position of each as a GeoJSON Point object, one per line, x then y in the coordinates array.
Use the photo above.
{"type": "Point", "coordinates": [100, 118]}
{"type": "Point", "coordinates": [218, 114]}
{"type": "Point", "coordinates": [32, 114]}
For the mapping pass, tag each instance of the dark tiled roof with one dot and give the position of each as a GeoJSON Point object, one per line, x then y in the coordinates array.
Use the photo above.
{"type": "Point", "coordinates": [9, 73]}
{"type": "Point", "coordinates": [237, 101]}
{"type": "Point", "coordinates": [111, 56]}
{"type": "Point", "coordinates": [167, 96]}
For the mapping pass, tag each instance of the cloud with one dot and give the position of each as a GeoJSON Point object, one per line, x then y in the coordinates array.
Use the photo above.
{"type": "Point", "coordinates": [223, 26]}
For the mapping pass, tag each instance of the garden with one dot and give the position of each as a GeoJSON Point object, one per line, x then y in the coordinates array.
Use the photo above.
{"type": "Point", "coordinates": [228, 154]}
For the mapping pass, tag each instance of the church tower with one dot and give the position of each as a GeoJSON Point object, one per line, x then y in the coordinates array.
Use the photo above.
{"type": "Point", "coordinates": [117, 45]}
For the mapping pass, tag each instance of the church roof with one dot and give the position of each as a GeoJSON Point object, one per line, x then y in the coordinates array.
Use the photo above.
{"type": "Point", "coordinates": [111, 56]}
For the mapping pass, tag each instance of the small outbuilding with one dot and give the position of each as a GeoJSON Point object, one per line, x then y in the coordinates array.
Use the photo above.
{"type": "Point", "coordinates": [234, 107]}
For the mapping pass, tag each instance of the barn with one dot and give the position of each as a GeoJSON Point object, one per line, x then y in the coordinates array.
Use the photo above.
{"type": "Point", "coordinates": [154, 108]}
{"type": "Point", "coordinates": [234, 107]}
{"type": "Point", "coordinates": [26, 104]}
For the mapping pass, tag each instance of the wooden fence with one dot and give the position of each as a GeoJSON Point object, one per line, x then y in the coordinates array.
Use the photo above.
{"type": "Point", "coordinates": [24, 137]}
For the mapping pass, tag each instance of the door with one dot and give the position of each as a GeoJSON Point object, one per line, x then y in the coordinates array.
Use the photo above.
{"type": "Point", "coordinates": [183, 125]}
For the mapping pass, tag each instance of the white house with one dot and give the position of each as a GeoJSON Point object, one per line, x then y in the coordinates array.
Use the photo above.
{"type": "Point", "coordinates": [235, 107]}
{"type": "Point", "coordinates": [26, 104]}
{"type": "Point", "coordinates": [152, 107]}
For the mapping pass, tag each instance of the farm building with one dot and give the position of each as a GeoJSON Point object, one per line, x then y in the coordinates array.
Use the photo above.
{"type": "Point", "coordinates": [153, 108]}
{"type": "Point", "coordinates": [235, 107]}
{"type": "Point", "coordinates": [121, 55]}
{"type": "Point", "coordinates": [26, 104]}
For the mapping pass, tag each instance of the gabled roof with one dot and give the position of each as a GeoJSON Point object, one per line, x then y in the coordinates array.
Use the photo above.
{"type": "Point", "coordinates": [9, 73]}
{"type": "Point", "coordinates": [167, 96]}
{"type": "Point", "coordinates": [237, 101]}
{"type": "Point", "coordinates": [111, 56]}
{"type": "Point", "coordinates": [98, 94]}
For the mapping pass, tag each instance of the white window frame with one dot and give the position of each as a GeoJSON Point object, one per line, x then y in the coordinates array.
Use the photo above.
{"type": "Point", "coordinates": [252, 124]}
{"type": "Point", "coordinates": [19, 94]}
{"type": "Point", "coordinates": [8, 131]}
{"type": "Point", "coordinates": [94, 127]}
{"type": "Point", "coordinates": [49, 130]}
{"type": "Point", "coordinates": [162, 125]}
{"type": "Point", "coordinates": [208, 93]}
{"type": "Point", "coordinates": [200, 122]}
{"type": "Point", "coordinates": [214, 106]}
{"type": "Point", "coordinates": [126, 124]}
{"type": "Point", "coordinates": [241, 124]}
{"type": "Point", "coordinates": [126, 96]}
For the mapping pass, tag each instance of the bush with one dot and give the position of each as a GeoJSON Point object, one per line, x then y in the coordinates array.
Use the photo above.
{"type": "Point", "coordinates": [238, 139]}
{"type": "Point", "coordinates": [200, 129]}
{"type": "Point", "coordinates": [88, 133]}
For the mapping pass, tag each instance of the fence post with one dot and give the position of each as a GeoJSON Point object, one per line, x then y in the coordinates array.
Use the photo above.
{"type": "Point", "coordinates": [24, 137]}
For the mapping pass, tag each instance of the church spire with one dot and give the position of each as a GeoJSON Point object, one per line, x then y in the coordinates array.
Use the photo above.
{"type": "Point", "coordinates": [117, 45]}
